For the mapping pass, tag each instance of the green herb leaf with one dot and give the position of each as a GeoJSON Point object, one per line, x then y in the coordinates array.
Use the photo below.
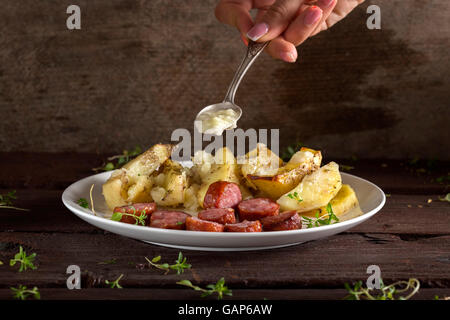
{"type": "Point", "coordinates": [390, 292]}
{"type": "Point", "coordinates": [115, 283]}
{"type": "Point", "coordinates": [180, 264]}
{"type": "Point", "coordinates": [22, 293]}
{"type": "Point", "coordinates": [82, 202]}
{"type": "Point", "coordinates": [218, 288]}
{"type": "Point", "coordinates": [318, 221]}
{"type": "Point", "coordinates": [117, 161]}
{"type": "Point", "coordinates": [24, 260]}
{"type": "Point", "coordinates": [446, 198]}
{"type": "Point", "coordinates": [6, 201]}
{"type": "Point", "coordinates": [295, 196]}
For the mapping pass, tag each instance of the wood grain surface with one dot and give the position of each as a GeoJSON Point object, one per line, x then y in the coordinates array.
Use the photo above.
{"type": "Point", "coordinates": [137, 70]}
{"type": "Point", "coordinates": [409, 238]}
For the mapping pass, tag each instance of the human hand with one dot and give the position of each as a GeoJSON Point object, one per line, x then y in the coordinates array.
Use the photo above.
{"type": "Point", "coordinates": [286, 23]}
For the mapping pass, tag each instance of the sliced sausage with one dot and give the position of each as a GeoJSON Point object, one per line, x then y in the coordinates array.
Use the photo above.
{"type": "Point", "coordinates": [257, 208]}
{"type": "Point", "coordinates": [288, 220]}
{"type": "Point", "coordinates": [244, 226]}
{"type": "Point", "coordinates": [136, 209]}
{"type": "Point", "coordinates": [222, 194]}
{"type": "Point", "coordinates": [219, 215]}
{"type": "Point", "coordinates": [196, 224]}
{"type": "Point", "coordinates": [169, 220]}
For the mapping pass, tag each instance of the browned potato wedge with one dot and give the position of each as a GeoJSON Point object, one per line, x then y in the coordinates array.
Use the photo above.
{"type": "Point", "coordinates": [344, 201]}
{"type": "Point", "coordinates": [132, 182]}
{"type": "Point", "coordinates": [289, 176]}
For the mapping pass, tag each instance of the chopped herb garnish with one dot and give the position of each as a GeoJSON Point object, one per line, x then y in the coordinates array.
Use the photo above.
{"type": "Point", "coordinates": [290, 150]}
{"type": "Point", "coordinates": [218, 288]}
{"type": "Point", "coordinates": [446, 198]}
{"type": "Point", "coordinates": [112, 261]}
{"type": "Point", "coordinates": [115, 283]}
{"type": "Point", "coordinates": [358, 292]}
{"type": "Point", "coordinates": [141, 219]}
{"type": "Point", "coordinates": [24, 260]}
{"type": "Point", "coordinates": [6, 201]}
{"type": "Point", "coordinates": [82, 202]}
{"type": "Point", "coordinates": [345, 168]}
{"type": "Point", "coordinates": [179, 266]}
{"type": "Point", "coordinates": [318, 221]}
{"type": "Point", "coordinates": [22, 293]}
{"type": "Point", "coordinates": [117, 161]}
{"type": "Point", "coordinates": [295, 196]}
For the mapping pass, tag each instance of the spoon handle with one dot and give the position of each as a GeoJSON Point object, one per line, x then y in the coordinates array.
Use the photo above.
{"type": "Point", "coordinates": [253, 50]}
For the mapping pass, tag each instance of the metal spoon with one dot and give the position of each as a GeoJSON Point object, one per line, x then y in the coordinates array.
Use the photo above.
{"type": "Point", "coordinates": [253, 51]}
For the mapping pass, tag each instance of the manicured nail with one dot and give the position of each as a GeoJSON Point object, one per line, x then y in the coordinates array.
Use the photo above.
{"type": "Point", "coordinates": [258, 31]}
{"type": "Point", "coordinates": [325, 3]}
{"type": "Point", "coordinates": [313, 15]}
{"type": "Point", "coordinates": [288, 56]}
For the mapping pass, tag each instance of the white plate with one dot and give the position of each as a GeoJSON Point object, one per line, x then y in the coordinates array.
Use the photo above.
{"type": "Point", "coordinates": [371, 199]}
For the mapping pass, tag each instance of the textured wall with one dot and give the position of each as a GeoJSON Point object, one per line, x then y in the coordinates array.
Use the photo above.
{"type": "Point", "coordinates": [139, 69]}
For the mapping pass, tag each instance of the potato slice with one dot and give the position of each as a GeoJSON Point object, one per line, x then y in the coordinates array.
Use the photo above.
{"type": "Point", "coordinates": [169, 184]}
{"type": "Point", "coordinates": [344, 201]}
{"type": "Point", "coordinates": [289, 176]}
{"type": "Point", "coordinates": [132, 183]}
{"type": "Point", "coordinates": [314, 191]}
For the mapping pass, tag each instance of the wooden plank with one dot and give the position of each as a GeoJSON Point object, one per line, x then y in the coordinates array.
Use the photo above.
{"type": "Point", "coordinates": [402, 214]}
{"type": "Point", "coordinates": [184, 294]}
{"type": "Point", "coordinates": [59, 170]}
{"type": "Point", "coordinates": [327, 263]}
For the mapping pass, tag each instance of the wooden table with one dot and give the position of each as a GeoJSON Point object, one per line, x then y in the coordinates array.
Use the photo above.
{"type": "Point", "coordinates": [409, 238]}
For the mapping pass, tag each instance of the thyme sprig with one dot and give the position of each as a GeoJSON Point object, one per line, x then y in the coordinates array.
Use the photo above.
{"type": "Point", "coordinates": [24, 260]}
{"type": "Point", "coordinates": [22, 292]}
{"type": "Point", "coordinates": [318, 221]}
{"type": "Point", "coordinates": [82, 202]}
{"type": "Point", "coordinates": [115, 283]}
{"type": "Point", "coordinates": [6, 201]}
{"type": "Point", "coordinates": [295, 196]}
{"type": "Point", "coordinates": [180, 264]}
{"type": "Point", "coordinates": [390, 292]}
{"type": "Point", "coordinates": [117, 161]}
{"type": "Point", "coordinates": [218, 288]}
{"type": "Point", "coordinates": [140, 219]}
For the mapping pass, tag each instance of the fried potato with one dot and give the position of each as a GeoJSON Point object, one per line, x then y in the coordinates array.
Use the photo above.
{"type": "Point", "coordinates": [132, 182]}
{"type": "Point", "coordinates": [169, 184]}
{"type": "Point", "coordinates": [288, 176]}
{"type": "Point", "coordinates": [314, 191]}
{"type": "Point", "coordinates": [344, 201]}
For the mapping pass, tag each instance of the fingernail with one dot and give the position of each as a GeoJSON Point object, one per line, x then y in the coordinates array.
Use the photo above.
{"type": "Point", "coordinates": [325, 3]}
{"type": "Point", "coordinates": [288, 56]}
{"type": "Point", "coordinates": [258, 31]}
{"type": "Point", "coordinates": [312, 16]}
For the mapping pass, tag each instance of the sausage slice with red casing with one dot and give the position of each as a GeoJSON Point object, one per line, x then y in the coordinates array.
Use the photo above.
{"type": "Point", "coordinates": [244, 226]}
{"type": "Point", "coordinates": [219, 215]}
{"type": "Point", "coordinates": [257, 208]}
{"type": "Point", "coordinates": [222, 194]}
{"type": "Point", "coordinates": [196, 224]}
{"type": "Point", "coordinates": [136, 209]}
{"type": "Point", "coordinates": [288, 220]}
{"type": "Point", "coordinates": [169, 220]}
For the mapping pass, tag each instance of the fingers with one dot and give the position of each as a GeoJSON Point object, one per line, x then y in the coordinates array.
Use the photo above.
{"type": "Point", "coordinates": [306, 22]}
{"type": "Point", "coordinates": [280, 48]}
{"type": "Point", "coordinates": [275, 20]}
{"type": "Point", "coordinates": [327, 7]}
{"type": "Point", "coordinates": [235, 13]}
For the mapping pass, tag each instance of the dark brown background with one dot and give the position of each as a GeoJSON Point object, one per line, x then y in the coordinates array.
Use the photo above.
{"type": "Point", "coordinates": [139, 69]}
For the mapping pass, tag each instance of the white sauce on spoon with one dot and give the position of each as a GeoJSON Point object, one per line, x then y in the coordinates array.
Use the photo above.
{"type": "Point", "coordinates": [215, 122]}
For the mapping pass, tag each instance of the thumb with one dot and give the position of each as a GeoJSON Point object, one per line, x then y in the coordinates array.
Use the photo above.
{"type": "Point", "coordinates": [275, 20]}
